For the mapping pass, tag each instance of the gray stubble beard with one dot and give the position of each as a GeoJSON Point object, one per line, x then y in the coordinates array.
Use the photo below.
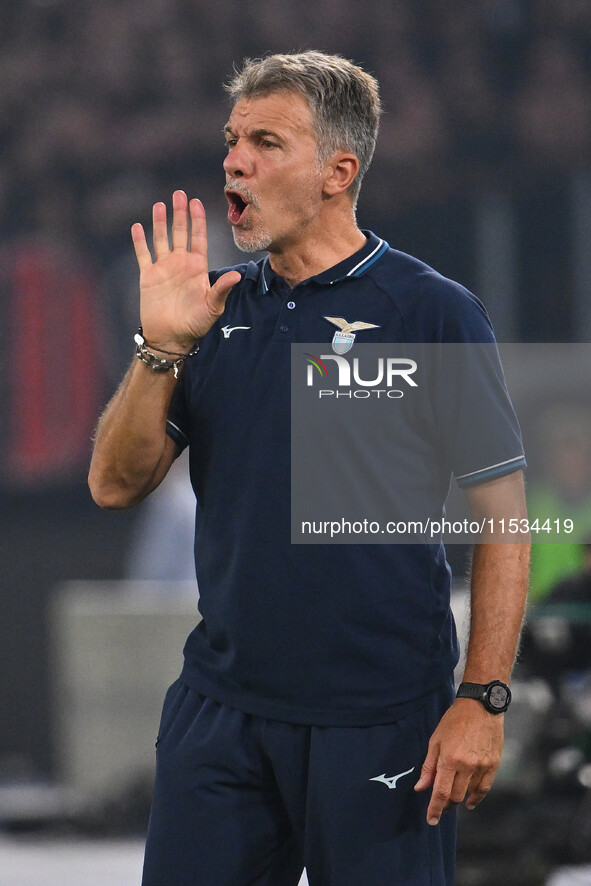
{"type": "Point", "coordinates": [260, 243]}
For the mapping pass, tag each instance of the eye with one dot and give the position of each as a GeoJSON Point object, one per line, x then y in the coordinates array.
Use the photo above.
{"type": "Point", "coordinates": [231, 142]}
{"type": "Point", "coordinates": [266, 143]}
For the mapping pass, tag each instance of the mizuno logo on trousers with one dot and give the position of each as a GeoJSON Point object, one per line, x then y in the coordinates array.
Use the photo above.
{"type": "Point", "coordinates": [392, 780]}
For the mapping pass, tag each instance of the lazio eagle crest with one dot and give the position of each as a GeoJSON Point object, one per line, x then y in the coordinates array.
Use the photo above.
{"type": "Point", "coordinates": [342, 340]}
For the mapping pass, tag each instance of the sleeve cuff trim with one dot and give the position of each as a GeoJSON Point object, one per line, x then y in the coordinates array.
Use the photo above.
{"type": "Point", "coordinates": [497, 470]}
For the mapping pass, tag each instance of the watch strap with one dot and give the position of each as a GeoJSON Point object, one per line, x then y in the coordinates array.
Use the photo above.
{"type": "Point", "coordinates": [472, 690]}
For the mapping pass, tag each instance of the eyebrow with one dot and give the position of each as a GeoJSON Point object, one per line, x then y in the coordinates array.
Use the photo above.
{"type": "Point", "coordinates": [254, 133]}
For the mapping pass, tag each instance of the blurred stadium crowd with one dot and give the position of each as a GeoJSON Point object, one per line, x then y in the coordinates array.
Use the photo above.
{"type": "Point", "coordinates": [106, 105]}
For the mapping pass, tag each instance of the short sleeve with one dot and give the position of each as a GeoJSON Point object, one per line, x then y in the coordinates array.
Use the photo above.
{"type": "Point", "coordinates": [478, 426]}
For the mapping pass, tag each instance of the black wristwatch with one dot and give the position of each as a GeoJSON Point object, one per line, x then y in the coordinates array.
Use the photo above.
{"type": "Point", "coordinates": [495, 696]}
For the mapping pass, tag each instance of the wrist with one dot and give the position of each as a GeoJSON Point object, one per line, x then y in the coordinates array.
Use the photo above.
{"type": "Point", "coordinates": [172, 348]}
{"type": "Point", "coordinates": [177, 347]}
{"type": "Point", "coordinates": [495, 696]}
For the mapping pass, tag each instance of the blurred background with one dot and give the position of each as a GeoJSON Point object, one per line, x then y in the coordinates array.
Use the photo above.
{"type": "Point", "coordinates": [483, 169]}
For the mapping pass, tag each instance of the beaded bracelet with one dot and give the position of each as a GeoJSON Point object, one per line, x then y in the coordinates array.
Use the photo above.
{"type": "Point", "coordinates": [156, 363]}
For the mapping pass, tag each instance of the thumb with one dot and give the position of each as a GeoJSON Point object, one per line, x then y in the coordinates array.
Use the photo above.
{"type": "Point", "coordinates": [221, 289]}
{"type": "Point", "coordinates": [428, 770]}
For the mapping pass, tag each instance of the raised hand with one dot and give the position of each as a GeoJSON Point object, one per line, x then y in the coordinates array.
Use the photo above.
{"type": "Point", "coordinates": [177, 304]}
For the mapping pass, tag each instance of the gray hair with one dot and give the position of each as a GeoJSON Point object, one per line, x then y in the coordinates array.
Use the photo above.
{"type": "Point", "coordinates": [344, 99]}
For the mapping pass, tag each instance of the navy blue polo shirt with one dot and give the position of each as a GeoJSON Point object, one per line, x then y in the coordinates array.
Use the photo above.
{"type": "Point", "coordinates": [315, 634]}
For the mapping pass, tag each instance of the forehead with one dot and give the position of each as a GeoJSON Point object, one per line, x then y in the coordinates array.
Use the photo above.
{"type": "Point", "coordinates": [286, 113]}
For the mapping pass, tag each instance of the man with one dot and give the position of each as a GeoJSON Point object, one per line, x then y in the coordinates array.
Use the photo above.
{"type": "Point", "coordinates": [312, 722]}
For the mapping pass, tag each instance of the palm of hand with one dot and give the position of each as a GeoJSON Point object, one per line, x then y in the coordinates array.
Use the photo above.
{"type": "Point", "coordinates": [174, 301]}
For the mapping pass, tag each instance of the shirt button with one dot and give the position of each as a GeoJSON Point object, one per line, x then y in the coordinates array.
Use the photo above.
{"type": "Point", "coordinates": [291, 305]}
{"type": "Point", "coordinates": [284, 328]}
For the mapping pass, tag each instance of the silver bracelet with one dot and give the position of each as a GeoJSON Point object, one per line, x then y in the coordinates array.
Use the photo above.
{"type": "Point", "coordinates": [156, 363]}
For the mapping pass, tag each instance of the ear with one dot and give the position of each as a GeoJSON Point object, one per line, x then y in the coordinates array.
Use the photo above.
{"type": "Point", "coordinates": [340, 171]}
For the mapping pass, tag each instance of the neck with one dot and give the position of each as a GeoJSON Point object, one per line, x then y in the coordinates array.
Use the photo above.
{"type": "Point", "coordinates": [315, 254]}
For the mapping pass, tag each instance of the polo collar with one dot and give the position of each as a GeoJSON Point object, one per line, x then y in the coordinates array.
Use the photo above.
{"type": "Point", "coordinates": [354, 266]}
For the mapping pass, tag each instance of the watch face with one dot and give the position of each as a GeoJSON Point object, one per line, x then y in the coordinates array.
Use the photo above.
{"type": "Point", "coordinates": [497, 696]}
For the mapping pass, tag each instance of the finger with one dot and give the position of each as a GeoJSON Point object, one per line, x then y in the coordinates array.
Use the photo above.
{"type": "Point", "coordinates": [459, 788]}
{"type": "Point", "coordinates": [479, 788]}
{"type": "Point", "coordinates": [159, 230]}
{"type": "Point", "coordinates": [440, 797]}
{"type": "Point", "coordinates": [142, 253]}
{"type": "Point", "coordinates": [180, 222]}
{"type": "Point", "coordinates": [198, 228]}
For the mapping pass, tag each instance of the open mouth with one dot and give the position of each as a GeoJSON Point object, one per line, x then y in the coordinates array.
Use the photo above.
{"type": "Point", "coordinates": [237, 206]}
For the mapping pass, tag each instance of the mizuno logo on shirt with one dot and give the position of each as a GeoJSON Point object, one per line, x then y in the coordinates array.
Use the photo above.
{"type": "Point", "coordinates": [392, 780]}
{"type": "Point", "coordinates": [228, 330]}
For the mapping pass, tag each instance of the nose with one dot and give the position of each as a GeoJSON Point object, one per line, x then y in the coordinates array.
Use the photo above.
{"type": "Point", "coordinates": [238, 162]}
